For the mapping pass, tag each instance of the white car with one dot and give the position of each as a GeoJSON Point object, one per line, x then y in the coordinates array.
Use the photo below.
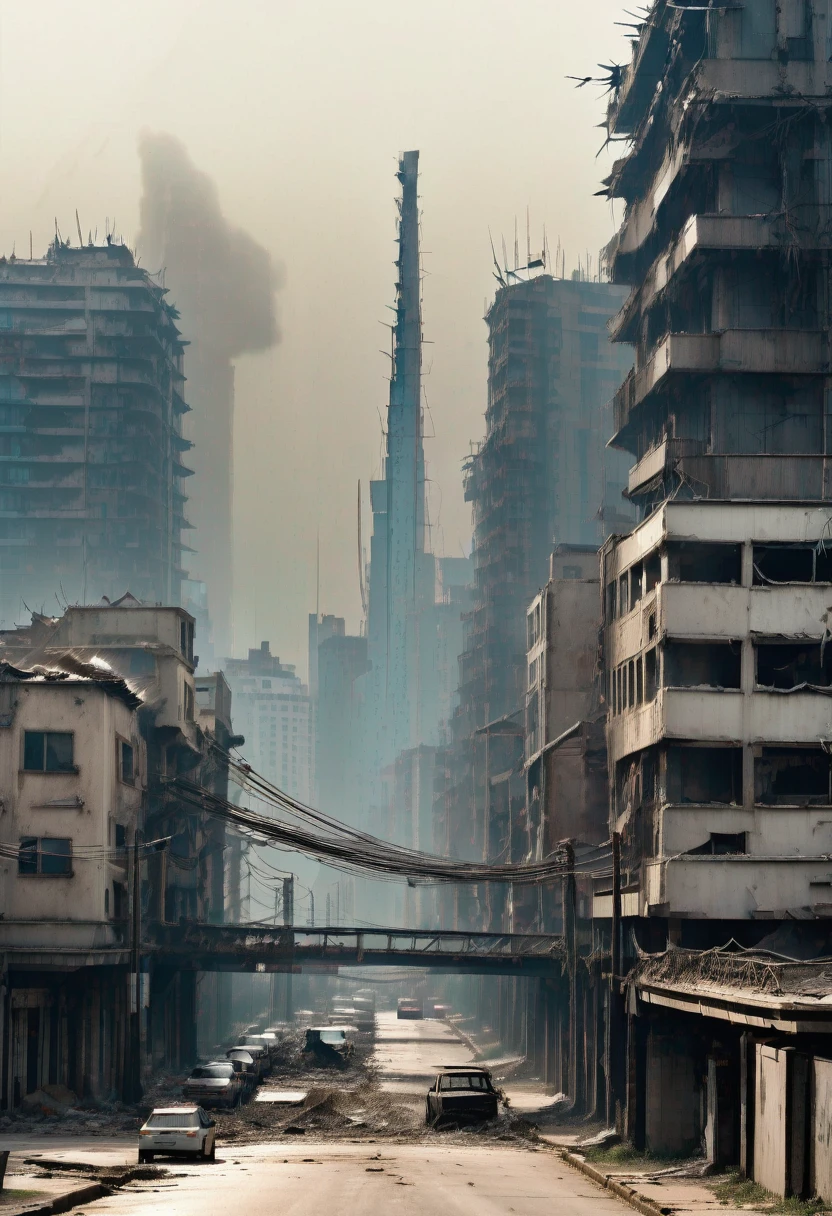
{"type": "Point", "coordinates": [175, 1130]}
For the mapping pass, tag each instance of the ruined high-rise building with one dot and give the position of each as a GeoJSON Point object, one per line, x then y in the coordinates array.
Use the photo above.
{"type": "Point", "coordinates": [542, 476]}
{"type": "Point", "coordinates": [91, 448]}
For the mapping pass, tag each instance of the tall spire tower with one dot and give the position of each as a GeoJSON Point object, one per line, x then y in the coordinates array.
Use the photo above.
{"type": "Point", "coordinates": [402, 574]}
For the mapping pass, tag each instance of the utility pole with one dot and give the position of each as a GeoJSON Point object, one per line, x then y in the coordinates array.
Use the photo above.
{"type": "Point", "coordinates": [273, 985]}
{"type": "Point", "coordinates": [288, 921]}
{"type": "Point", "coordinates": [569, 933]}
{"type": "Point", "coordinates": [134, 1081]}
{"type": "Point", "coordinates": [311, 910]}
{"type": "Point", "coordinates": [614, 1028]}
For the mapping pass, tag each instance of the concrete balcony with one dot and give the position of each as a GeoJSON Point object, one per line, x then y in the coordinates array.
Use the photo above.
{"type": "Point", "coordinates": [737, 888]}
{"type": "Point", "coordinates": [800, 477]}
{"type": "Point", "coordinates": [698, 611]}
{"type": "Point", "coordinates": [760, 351]}
{"type": "Point", "coordinates": [770, 831]}
{"type": "Point", "coordinates": [721, 715]}
{"type": "Point", "coordinates": [715, 234]}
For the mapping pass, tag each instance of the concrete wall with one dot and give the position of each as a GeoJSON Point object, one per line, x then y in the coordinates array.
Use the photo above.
{"type": "Point", "coordinates": [734, 888]}
{"type": "Point", "coordinates": [771, 1099]}
{"type": "Point", "coordinates": [821, 1138]}
{"type": "Point", "coordinates": [673, 1100]}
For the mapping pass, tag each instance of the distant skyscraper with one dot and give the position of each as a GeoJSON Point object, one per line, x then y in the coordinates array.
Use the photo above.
{"type": "Point", "coordinates": [273, 710]}
{"type": "Point", "coordinates": [91, 444]}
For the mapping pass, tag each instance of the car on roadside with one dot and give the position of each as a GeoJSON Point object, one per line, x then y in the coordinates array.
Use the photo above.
{"type": "Point", "coordinates": [461, 1096]}
{"type": "Point", "coordinates": [245, 1064]}
{"type": "Point", "coordinates": [409, 1007]}
{"type": "Point", "coordinates": [260, 1041]}
{"type": "Point", "coordinates": [217, 1083]}
{"type": "Point", "coordinates": [178, 1131]}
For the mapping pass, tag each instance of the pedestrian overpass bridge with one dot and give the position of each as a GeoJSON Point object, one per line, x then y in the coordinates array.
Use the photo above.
{"type": "Point", "coordinates": [246, 948]}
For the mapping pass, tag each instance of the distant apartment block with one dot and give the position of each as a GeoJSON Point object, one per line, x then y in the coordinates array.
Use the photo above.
{"type": "Point", "coordinates": [273, 710]}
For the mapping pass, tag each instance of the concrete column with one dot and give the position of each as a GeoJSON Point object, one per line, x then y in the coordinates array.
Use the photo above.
{"type": "Point", "coordinates": [187, 1019]}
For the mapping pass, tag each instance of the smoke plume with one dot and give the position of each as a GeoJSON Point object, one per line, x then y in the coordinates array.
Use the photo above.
{"type": "Point", "coordinates": [223, 283]}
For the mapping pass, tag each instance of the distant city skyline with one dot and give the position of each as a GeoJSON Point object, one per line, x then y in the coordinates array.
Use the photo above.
{"type": "Point", "coordinates": [301, 140]}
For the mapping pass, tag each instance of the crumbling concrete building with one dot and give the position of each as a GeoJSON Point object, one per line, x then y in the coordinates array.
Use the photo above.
{"type": "Point", "coordinates": [91, 443]}
{"type": "Point", "coordinates": [715, 608]}
{"type": "Point", "coordinates": [141, 656]}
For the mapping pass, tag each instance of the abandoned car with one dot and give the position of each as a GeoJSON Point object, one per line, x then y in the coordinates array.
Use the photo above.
{"type": "Point", "coordinates": [461, 1095]}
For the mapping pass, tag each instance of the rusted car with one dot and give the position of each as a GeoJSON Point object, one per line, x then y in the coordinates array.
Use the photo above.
{"type": "Point", "coordinates": [461, 1096]}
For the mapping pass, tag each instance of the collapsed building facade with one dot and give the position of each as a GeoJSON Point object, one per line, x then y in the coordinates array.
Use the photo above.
{"type": "Point", "coordinates": [91, 442]}
{"type": "Point", "coordinates": [714, 608]}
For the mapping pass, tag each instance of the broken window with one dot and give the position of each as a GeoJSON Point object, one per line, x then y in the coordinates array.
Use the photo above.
{"type": "Point", "coordinates": [623, 596]}
{"type": "Point", "coordinates": [612, 602]}
{"type": "Point", "coordinates": [702, 664]}
{"type": "Point", "coordinates": [790, 665]}
{"type": "Point", "coordinates": [704, 774]}
{"type": "Point", "coordinates": [650, 681]}
{"type": "Point", "coordinates": [695, 562]}
{"type": "Point", "coordinates": [721, 844]}
{"type": "Point", "coordinates": [792, 776]}
{"type": "Point", "coordinates": [791, 564]}
{"type": "Point", "coordinates": [652, 571]}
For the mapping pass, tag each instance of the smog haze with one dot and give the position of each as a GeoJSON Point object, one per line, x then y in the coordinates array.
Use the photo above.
{"type": "Point", "coordinates": [294, 113]}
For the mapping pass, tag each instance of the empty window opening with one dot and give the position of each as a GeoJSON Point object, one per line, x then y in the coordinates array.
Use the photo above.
{"type": "Point", "coordinates": [697, 562]}
{"type": "Point", "coordinates": [639, 681]}
{"type": "Point", "coordinates": [652, 571]}
{"type": "Point", "coordinates": [631, 684]}
{"type": "Point", "coordinates": [721, 844]}
{"type": "Point", "coordinates": [650, 680]}
{"type": "Point", "coordinates": [783, 564]}
{"type": "Point", "coordinates": [793, 665]}
{"type": "Point", "coordinates": [127, 763]}
{"type": "Point", "coordinates": [702, 664]}
{"type": "Point", "coordinates": [623, 596]}
{"type": "Point", "coordinates": [704, 774]}
{"type": "Point", "coordinates": [792, 776]}
{"type": "Point", "coordinates": [612, 604]}
{"type": "Point", "coordinates": [635, 584]}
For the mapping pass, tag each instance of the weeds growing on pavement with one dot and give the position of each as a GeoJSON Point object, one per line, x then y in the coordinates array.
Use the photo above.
{"type": "Point", "coordinates": [625, 1157]}
{"type": "Point", "coordinates": [733, 1189]}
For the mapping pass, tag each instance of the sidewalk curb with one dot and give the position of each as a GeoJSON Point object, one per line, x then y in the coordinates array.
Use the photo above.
{"type": "Point", "coordinates": [629, 1194]}
{"type": "Point", "coordinates": [63, 1203]}
{"type": "Point", "coordinates": [466, 1039]}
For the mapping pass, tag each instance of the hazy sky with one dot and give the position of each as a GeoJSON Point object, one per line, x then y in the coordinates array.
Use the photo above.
{"type": "Point", "coordinates": [297, 110]}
